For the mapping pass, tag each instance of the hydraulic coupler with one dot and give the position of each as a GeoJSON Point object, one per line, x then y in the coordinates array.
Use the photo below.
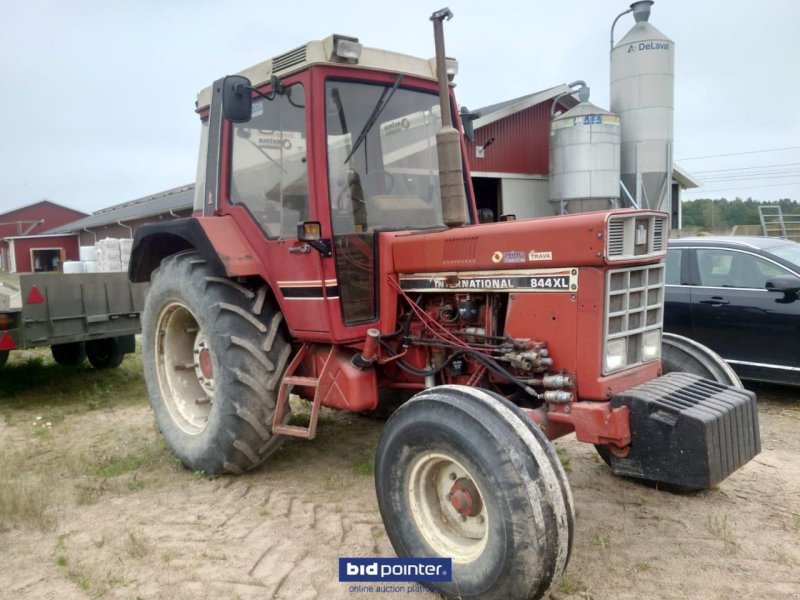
{"type": "Point", "coordinates": [687, 431]}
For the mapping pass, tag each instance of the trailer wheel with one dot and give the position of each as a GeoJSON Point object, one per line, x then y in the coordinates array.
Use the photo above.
{"type": "Point", "coordinates": [3, 357]}
{"type": "Point", "coordinates": [213, 352]}
{"type": "Point", "coordinates": [461, 473]}
{"type": "Point", "coordinates": [69, 355]}
{"type": "Point", "coordinates": [105, 353]}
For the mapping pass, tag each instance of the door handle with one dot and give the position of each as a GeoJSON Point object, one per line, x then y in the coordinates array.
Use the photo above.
{"type": "Point", "coordinates": [715, 301]}
{"type": "Point", "coordinates": [304, 249]}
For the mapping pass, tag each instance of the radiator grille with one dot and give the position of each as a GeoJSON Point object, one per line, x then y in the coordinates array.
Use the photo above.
{"type": "Point", "coordinates": [634, 307]}
{"type": "Point", "coordinates": [636, 236]}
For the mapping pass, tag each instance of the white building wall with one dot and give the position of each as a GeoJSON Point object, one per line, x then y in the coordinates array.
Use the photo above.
{"type": "Point", "coordinates": [526, 198]}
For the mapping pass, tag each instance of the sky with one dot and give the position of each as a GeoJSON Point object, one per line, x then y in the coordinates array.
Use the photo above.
{"type": "Point", "coordinates": [97, 97]}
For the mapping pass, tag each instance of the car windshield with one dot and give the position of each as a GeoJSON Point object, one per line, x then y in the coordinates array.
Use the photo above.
{"type": "Point", "coordinates": [382, 161]}
{"type": "Point", "coordinates": [788, 252]}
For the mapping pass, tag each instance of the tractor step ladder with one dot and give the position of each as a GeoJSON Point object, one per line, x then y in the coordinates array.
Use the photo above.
{"type": "Point", "coordinates": [287, 383]}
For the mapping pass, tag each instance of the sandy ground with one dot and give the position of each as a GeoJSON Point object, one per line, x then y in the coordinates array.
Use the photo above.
{"type": "Point", "coordinates": [122, 520]}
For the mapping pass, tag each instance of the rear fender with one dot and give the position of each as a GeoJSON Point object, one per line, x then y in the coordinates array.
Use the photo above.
{"type": "Point", "coordinates": [217, 239]}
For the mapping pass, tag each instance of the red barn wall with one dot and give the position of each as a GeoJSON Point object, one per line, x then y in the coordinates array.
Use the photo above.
{"type": "Point", "coordinates": [23, 247]}
{"type": "Point", "coordinates": [16, 222]}
{"type": "Point", "coordinates": [521, 143]}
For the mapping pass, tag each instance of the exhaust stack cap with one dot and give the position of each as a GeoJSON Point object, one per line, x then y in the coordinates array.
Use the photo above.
{"type": "Point", "coordinates": [641, 10]}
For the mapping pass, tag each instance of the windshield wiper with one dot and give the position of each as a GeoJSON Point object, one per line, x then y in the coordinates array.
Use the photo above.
{"type": "Point", "coordinates": [376, 112]}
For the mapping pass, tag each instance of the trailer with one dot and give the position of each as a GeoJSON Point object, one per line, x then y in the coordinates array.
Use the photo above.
{"type": "Point", "coordinates": [92, 316]}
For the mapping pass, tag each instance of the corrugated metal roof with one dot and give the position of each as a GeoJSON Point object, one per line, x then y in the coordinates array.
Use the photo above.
{"type": "Point", "coordinates": [495, 112]}
{"type": "Point", "coordinates": [179, 198]}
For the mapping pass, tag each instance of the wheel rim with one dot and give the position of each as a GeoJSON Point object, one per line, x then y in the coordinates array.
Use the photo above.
{"type": "Point", "coordinates": [448, 507]}
{"type": "Point", "coordinates": [184, 367]}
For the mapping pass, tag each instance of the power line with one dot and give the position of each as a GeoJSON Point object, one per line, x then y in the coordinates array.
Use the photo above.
{"type": "Point", "coordinates": [739, 153]}
{"type": "Point", "coordinates": [753, 176]}
{"type": "Point", "coordinates": [751, 187]}
{"type": "Point", "coordinates": [746, 168]}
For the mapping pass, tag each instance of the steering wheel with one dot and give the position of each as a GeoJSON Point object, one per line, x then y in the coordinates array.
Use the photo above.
{"type": "Point", "coordinates": [380, 180]}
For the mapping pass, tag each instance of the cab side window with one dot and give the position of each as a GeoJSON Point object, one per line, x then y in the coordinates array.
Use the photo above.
{"type": "Point", "coordinates": [269, 170]}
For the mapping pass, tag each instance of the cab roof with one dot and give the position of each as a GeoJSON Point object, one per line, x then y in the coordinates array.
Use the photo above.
{"type": "Point", "coordinates": [321, 52]}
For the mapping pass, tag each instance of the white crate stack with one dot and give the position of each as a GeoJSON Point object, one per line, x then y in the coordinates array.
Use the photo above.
{"type": "Point", "coordinates": [109, 255]}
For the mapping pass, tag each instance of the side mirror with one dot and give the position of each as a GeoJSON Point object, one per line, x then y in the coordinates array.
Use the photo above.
{"type": "Point", "coordinates": [237, 102]}
{"type": "Point", "coordinates": [467, 119]}
{"type": "Point", "coordinates": [784, 283]}
{"type": "Point", "coordinates": [787, 285]}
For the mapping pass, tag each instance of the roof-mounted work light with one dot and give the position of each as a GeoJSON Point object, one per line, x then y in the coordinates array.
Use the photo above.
{"type": "Point", "coordinates": [347, 48]}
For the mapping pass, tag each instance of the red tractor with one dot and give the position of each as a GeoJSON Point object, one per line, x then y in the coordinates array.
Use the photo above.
{"type": "Point", "coordinates": [335, 254]}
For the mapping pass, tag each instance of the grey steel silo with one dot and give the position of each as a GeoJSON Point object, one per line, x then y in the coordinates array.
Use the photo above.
{"type": "Point", "coordinates": [642, 94]}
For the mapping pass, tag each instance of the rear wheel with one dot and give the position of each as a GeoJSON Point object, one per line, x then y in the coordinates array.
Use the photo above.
{"type": "Point", "coordinates": [69, 355]}
{"type": "Point", "coordinates": [104, 354]}
{"type": "Point", "coordinates": [214, 352]}
{"type": "Point", "coordinates": [462, 473]}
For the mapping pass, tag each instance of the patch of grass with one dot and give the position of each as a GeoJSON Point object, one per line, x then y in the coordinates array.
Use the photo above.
{"type": "Point", "coordinates": [365, 466]}
{"type": "Point", "coordinates": [720, 528]}
{"type": "Point", "coordinates": [26, 502]}
{"type": "Point", "coordinates": [79, 579]}
{"type": "Point", "coordinates": [568, 584]}
{"type": "Point", "coordinates": [114, 466]}
{"type": "Point", "coordinates": [137, 545]}
{"type": "Point", "coordinates": [32, 383]}
{"type": "Point", "coordinates": [565, 460]}
{"type": "Point", "coordinates": [602, 540]}
{"type": "Point", "coordinates": [642, 567]}
{"type": "Point", "coordinates": [61, 560]}
{"type": "Point", "coordinates": [796, 523]}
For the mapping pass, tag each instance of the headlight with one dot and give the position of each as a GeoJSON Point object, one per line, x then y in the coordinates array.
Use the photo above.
{"type": "Point", "coordinates": [616, 354]}
{"type": "Point", "coordinates": [651, 345]}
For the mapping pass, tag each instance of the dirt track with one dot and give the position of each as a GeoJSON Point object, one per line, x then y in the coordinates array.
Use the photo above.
{"type": "Point", "coordinates": [123, 520]}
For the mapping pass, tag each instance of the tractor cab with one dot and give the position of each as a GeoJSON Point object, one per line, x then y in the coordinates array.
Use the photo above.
{"type": "Point", "coordinates": [312, 154]}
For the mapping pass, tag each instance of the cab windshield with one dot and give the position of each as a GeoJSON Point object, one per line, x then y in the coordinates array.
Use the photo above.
{"type": "Point", "coordinates": [382, 161]}
{"type": "Point", "coordinates": [383, 174]}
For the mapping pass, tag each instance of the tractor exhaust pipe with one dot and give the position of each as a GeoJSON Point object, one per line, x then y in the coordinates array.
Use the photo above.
{"type": "Point", "coordinates": [448, 140]}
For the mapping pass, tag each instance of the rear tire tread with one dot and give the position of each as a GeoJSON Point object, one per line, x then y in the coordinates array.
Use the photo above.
{"type": "Point", "coordinates": [245, 376]}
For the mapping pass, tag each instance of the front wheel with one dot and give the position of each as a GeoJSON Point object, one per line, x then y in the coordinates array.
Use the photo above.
{"type": "Point", "coordinates": [3, 357]}
{"type": "Point", "coordinates": [462, 473]}
{"type": "Point", "coordinates": [213, 353]}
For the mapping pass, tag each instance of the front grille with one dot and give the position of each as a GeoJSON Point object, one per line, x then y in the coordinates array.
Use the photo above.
{"type": "Point", "coordinates": [636, 236]}
{"type": "Point", "coordinates": [634, 306]}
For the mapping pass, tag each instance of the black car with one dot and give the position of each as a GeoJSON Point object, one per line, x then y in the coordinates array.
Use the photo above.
{"type": "Point", "coordinates": [738, 296]}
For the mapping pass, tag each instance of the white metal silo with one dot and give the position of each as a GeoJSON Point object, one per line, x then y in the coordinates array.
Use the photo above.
{"type": "Point", "coordinates": [584, 158]}
{"type": "Point", "coordinates": [642, 94]}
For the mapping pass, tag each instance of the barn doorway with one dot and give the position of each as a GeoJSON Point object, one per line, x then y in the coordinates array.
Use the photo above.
{"type": "Point", "coordinates": [487, 198]}
{"type": "Point", "coordinates": [46, 259]}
